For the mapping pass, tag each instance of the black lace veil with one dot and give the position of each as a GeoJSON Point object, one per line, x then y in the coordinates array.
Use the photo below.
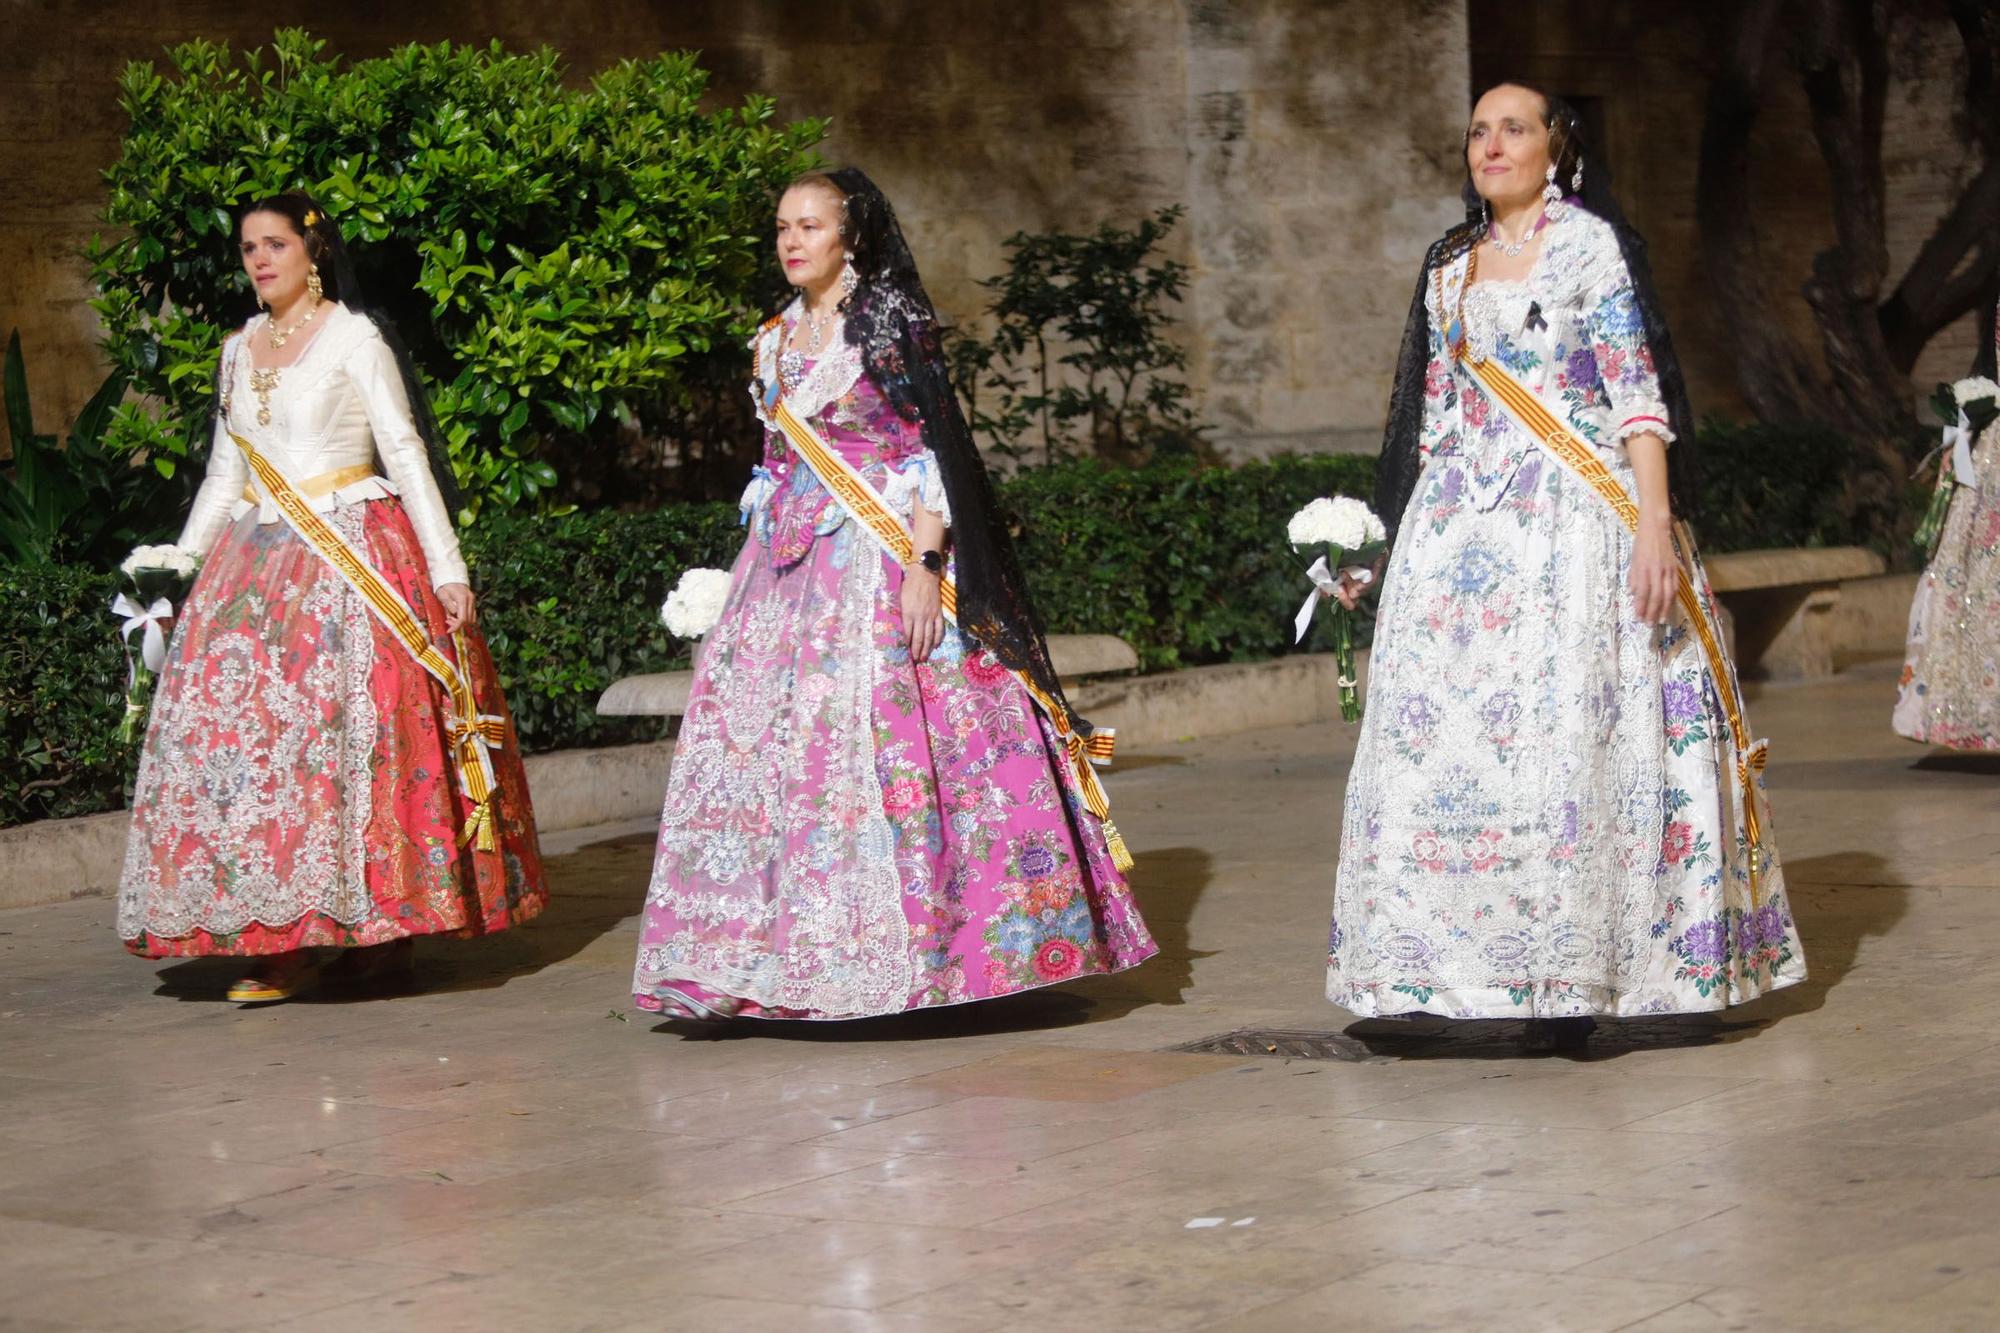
{"type": "Point", "coordinates": [890, 319]}
{"type": "Point", "coordinates": [339, 283]}
{"type": "Point", "coordinates": [1401, 464]}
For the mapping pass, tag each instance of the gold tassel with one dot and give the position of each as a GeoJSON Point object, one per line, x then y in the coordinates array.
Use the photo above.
{"type": "Point", "coordinates": [479, 827]}
{"type": "Point", "coordinates": [1120, 856]}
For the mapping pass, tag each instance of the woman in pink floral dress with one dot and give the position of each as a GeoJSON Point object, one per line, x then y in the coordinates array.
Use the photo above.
{"type": "Point", "coordinates": [870, 809]}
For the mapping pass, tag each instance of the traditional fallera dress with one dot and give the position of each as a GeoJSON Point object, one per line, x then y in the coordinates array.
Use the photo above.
{"type": "Point", "coordinates": [1544, 817]}
{"type": "Point", "coordinates": [1949, 693]}
{"type": "Point", "coordinates": [847, 832]}
{"type": "Point", "coordinates": [298, 785]}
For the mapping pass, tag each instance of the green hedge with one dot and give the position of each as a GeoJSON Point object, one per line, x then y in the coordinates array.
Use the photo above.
{"type": "Point", "coordinates": [62, 694]}
{"type": "Point", "coordinates": [1187, 563]}
{"type": "Point", "coordinates": [571, 604]}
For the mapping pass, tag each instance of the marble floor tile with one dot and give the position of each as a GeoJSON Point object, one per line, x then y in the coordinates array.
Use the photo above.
{"type": "Point", "coordinates": [509, 1145]}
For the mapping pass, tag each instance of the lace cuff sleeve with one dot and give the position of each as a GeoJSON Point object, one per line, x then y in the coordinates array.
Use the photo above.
{"type": "Point", "coordinates": [917, 481]}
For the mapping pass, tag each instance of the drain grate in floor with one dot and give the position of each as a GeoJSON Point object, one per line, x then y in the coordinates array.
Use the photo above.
{"type": "Point", "coordinates": [1285, 1043]}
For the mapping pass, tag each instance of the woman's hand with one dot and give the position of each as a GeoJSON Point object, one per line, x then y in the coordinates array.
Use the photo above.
{"type": "Point", "coordinates": [1349, 591]}
{"type": "Point", "coordinates": [1655, 569]}
{"type": "Point", "coordinates": [458, 608]}
{"type": "Point", "coordinates": [923, 611]}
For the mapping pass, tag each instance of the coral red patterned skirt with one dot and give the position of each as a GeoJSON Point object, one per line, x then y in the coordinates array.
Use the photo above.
{"type": "Point", "coordinates": [296, 788]}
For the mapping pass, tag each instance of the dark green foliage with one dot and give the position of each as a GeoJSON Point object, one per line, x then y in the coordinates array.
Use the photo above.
{"type": "Point", "coordinates": [1778, 485]}
{"type": "Point", "coordinates": [1080, 359]}
{"type": "Point", "coordinates": [559, 260]}
{"type": "Point", "coordinates": [1188, 564]}
{"type": "Point", "coordinates": [79, 503]}
{"type": "Point", "coordinates": [571, 603]}
{"type": "Point", "coordinates": [62, 694]}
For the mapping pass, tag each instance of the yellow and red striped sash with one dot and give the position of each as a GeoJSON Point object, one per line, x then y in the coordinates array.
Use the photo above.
{"type": "Point", "coordinates": [1533, 416]}
{"type": "Point", "coordinates": [472, 734]}
{"type": "Point", "coordinates": [867, 506]}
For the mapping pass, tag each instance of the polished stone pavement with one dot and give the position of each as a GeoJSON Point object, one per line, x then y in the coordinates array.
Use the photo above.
{"type": "Point", "coordinates": [510, 1147]}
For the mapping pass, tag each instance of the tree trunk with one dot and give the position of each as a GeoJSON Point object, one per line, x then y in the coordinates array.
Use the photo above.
{"type": "Point", "coordinates": [1774, 373]}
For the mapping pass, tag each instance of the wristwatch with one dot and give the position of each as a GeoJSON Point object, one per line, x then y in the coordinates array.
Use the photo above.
{"type": "Point", "coordinates": [931, 560]}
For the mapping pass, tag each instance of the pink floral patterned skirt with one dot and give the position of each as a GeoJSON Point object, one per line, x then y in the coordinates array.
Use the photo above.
{"type": "Point", "coordinates": [295, 788]}
{"type": "Point", "coordinates": [847, 833]}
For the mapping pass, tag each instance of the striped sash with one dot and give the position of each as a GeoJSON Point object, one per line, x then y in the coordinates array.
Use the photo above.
{"type": "Point", "coordinates": [866, 505]}
{"type": "Point", "coordinates": [1532, 415]}
{"type": "Point", "coordinates": [473, 735]}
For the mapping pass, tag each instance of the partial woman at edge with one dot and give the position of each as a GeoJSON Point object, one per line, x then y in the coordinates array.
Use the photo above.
{"type": "Point", "coordinates": [1949, 693]}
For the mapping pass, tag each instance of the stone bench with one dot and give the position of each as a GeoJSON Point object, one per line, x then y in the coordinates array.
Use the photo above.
{"type": "Point", "coordinates": [665, 693]}
{"type": "Point", "coordinates": [1776, 604]}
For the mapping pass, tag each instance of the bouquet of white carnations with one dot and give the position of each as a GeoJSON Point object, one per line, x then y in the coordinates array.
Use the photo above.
{"type": "Point", "coordinates": [696, 602]}
{"type": "Point", "coordinates": [1966, 408]}
{"type": "Point", "coordinates": [158, 576]}
{"type": "Point", "coordinates": [1353, 536]}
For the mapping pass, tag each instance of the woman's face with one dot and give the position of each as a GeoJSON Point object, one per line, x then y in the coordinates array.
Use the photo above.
{"type": "Point", "coordinates": [1507, 146]}
{"type": "Point", "coordinates": [809, 240]}
{"type": "Point", "coordinates": [275, 258]}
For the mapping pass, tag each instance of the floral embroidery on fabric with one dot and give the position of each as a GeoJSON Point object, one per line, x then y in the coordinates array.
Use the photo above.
{"type": "Point", "coordinates": [848, 833]}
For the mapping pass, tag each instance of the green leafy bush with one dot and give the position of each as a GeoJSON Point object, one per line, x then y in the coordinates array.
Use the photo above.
{"type": "Point", "coordinates": [559, 260]}
{"type": "Point", "coordinates": [79, 503]}
{"type": "Point", "coordinates": [62, 693]}
{"type": "Point", "coordinates": [1188, 564]}
{"type": "Point", "coordinates": [1080, 358]}
{"type": "Point", "coordinates": [1785, 484]}
{"type": "Point", "coordinates": [571, 603]}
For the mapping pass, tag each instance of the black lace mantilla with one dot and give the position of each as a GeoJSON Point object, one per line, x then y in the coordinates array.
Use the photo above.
{"type": "Point", "coordinates": [890, 318]}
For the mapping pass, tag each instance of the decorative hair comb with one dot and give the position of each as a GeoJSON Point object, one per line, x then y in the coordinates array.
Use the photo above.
{"type": "Point", "coordinates": [312, 217]}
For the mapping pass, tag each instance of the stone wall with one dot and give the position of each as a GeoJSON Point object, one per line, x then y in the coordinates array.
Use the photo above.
{"type": "Point", "coordinates": [1305, 137]}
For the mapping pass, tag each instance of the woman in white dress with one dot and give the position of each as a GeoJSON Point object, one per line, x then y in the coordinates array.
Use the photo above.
{"type": "Point", "coordinates": [1554, 810]}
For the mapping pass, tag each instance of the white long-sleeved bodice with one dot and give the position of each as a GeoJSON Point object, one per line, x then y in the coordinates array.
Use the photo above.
{"type": "Point", "coordinates": [339, 408]}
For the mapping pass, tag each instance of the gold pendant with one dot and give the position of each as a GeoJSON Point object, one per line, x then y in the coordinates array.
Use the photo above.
{"type": "Point", "coordinates": [262, 382]}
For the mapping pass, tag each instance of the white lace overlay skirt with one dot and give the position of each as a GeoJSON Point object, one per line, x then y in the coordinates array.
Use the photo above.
{"type": "Point", "coordinates": [1540, 820]}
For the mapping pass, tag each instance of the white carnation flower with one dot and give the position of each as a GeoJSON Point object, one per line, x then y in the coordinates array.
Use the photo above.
{"type": "Point", "coordinates": [1343, 521]}
{"type": "Point", "coordinates": [1973, 388]}
{"type": "Point", "coordinates": [169, 558]}
{"type": "Point", "coordinates": [696, 602]}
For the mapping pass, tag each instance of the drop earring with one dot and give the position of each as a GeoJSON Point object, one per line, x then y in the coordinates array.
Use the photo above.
{"type": "Point", "coordinates": [849, 279]}
{"type": "Point", "coordinates": [313, 284]}
{"type": "Point", "coordinates": [1552, 192]}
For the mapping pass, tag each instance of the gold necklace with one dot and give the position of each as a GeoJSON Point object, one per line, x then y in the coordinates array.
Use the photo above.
{"type": "Point", "coordinates": [278, 339]}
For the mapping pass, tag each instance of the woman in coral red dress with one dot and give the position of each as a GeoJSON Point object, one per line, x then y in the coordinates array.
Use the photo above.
{"type": "Point", "coordinates": [329, 762]}
{"type": "Point", "coordinates": [875, 806]}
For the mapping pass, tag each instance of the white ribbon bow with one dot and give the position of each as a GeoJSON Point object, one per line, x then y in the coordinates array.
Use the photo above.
{"type": "Point", "coordinates": [1958, 439]}
{"type": "Point", "coordinates": [1324, 581]}
{"type": "Point", "coordinates": [152, 648]}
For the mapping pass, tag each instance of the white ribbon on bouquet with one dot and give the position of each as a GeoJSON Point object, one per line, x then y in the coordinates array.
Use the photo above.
{"type": "Point", "coordinates": [1324, 582]}
{"type": "Point", "coordinates": [1958, 439]}
{"type": "Point", "coordinates": [153, 647]}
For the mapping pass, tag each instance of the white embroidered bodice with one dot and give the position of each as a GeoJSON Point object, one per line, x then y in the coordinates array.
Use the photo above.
{"type": "Point", "coordinates": [341, 405]}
